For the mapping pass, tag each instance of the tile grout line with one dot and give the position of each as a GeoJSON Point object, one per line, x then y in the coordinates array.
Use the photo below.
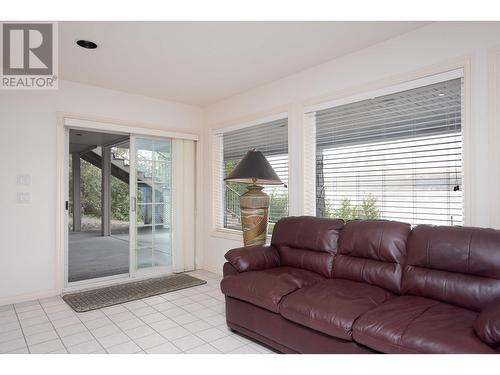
{"type": "Point", "coordinates": [123, 331]}
{"type": "Point", "coordinates": [53, 326]}
{"type": "Point", "coordinates": [22, 330]}
{"type": "Point", "coordinates": [90, 331]}
{"type": "Point", "coordinates": [112, 323]}
{"type": "Point", "coordinates": [205, 342]}
{"type": "Point", "coordinates": [137, 317]}
{"type": "Point", "coordinates": [84, 342]}
{"type": "Point", "coordinates": [130, 338]}
{"type": "Point", "coordinates": [158, 332]}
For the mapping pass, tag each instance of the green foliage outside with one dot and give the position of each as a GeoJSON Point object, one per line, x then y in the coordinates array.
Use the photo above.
{"type": "Point", "coordinates": [119, 200]}
{"type": "Point", "coordinates": [236, 186]}
{"type": "Point", "coordinates": [367, 210]}
{"type": "Point", "coordinates": [328, 211]}
{"type": "Point", "coordinates": [91, 193]}
{"type": "Point", "coordinates": [278, 207]}
{"type": "Point", "coordinates": [90, 188]}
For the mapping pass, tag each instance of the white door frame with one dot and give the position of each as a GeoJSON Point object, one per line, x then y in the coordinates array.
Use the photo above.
{"type": "Point", "coordinates": [64, 121]}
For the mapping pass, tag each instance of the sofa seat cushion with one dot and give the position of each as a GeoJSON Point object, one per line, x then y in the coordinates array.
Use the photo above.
{"type": "Point", "coordinates": [332, 306]}
{"type": "Point", "coordinates": [266, 288]}
{"type": "Point", "coordinates": [411, 324]}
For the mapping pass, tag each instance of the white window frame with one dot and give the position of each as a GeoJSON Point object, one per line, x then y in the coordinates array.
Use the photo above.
{"type": "Point", "coordinates": [308, 131]}
{"type": "Point", "coordinates": [217, 183]}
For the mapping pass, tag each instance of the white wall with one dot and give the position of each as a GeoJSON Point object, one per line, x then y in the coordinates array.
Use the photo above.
{"type": "Point", "coordinates": [423, 51]}
{"type": "Point", "coordinates": [28, 146]}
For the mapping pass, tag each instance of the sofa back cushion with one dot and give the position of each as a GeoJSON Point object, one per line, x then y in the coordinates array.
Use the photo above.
{"type": "Point", "coordinates": [307, 242]}
{"type": "Point", "coordinates": [373, 251]}
{"type": "Point", "coordinates": [458, 265]}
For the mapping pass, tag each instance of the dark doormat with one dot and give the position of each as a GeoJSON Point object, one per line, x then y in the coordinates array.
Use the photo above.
{"type": "Point", "coordinates": [113, 295]}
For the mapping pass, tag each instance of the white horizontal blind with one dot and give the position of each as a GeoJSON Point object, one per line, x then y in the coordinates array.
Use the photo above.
{"type": "Point", "coordinates": [271, 138]}
{"type": "Point", "coordinates": [217, 181]}
{"type": "Point", "coordinates": [396, 157]}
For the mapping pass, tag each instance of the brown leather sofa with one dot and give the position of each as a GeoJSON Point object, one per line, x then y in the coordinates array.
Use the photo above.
{"type": "Point", "coordinates": [323, 286]}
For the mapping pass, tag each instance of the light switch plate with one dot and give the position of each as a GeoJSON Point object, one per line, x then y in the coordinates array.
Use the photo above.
{"type": "Point", "coordinates": [23, 180]}
{"type": "Point", "coordinates": [23, 197]}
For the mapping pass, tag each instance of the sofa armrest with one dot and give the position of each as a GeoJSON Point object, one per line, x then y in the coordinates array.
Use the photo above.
{"type": "Point", "coordinates": [253, 258]}
{"type": "Point", "coordinates": [487, 324]}
{"type": "Point", "coordinates": [229, 270]}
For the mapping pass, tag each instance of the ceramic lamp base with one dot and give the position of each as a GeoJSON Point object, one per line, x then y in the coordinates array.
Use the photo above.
{"type": "Point", "coordinates": [254, 206]}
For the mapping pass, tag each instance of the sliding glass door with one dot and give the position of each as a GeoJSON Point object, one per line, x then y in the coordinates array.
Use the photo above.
{"type": "Point", "coordinates": [151, 204]}
{"type": "Point", "coordinates": [106, 238]}
{"type": "Point", "coordinates": [97, 209]}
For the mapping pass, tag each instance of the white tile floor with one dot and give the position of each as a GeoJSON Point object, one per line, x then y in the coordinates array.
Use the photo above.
{"type": "Point", "coordinates": [187, 321]}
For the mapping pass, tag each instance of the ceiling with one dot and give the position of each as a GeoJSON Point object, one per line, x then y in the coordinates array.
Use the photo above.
{"type": "Point", "coordinates": [203, 62]}
{"type": "Point", "coordinates": [82, 140]}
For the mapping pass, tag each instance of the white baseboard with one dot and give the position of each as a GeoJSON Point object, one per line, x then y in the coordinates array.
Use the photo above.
{"type": "Point", "coordinates": [28, 297]}
{"type": "Point", "coordinates": [217, 271]}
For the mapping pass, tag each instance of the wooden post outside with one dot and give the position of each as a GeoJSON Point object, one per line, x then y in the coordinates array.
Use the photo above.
{"type": "Point", "coordinates": [77, 207]}
{"type": "Point", "coordinates": [106, 192]}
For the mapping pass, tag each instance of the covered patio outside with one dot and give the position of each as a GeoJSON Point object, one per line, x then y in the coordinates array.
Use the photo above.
{"type": "Point", "coordinates": [98, 243]}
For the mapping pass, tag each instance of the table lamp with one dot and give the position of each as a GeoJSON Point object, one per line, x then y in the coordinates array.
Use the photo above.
{"type": "Point", "coordinates": [254, 170]}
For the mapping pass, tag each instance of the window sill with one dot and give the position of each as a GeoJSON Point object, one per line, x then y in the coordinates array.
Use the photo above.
{"type": "Point", "coordinates": [228, 234]}
{"type": "Point", "coordinates": [231, 234]}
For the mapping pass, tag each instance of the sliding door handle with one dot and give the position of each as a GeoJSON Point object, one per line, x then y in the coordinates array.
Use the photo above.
{"type": "Point", "coordinates": [132, 203]}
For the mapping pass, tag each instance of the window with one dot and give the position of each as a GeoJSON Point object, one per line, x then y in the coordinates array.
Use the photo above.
{"type": "Point", "coordinates": [271, 138]}
{"type": "Point", "coordinates": [396, 156]}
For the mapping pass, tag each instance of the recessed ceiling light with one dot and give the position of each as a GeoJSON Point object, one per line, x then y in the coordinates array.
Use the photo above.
{"type": "Point", "coordinates": [440, 94]}
{"type": "Point", "coordinates": [86, 44]}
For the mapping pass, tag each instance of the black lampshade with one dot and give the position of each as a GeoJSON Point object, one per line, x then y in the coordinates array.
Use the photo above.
{"type": "Point", "coordinates": [254, 169]}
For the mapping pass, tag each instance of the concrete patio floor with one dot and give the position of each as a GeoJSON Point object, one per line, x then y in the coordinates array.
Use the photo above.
{"type": "Point", "coordinates": [92, 255]}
